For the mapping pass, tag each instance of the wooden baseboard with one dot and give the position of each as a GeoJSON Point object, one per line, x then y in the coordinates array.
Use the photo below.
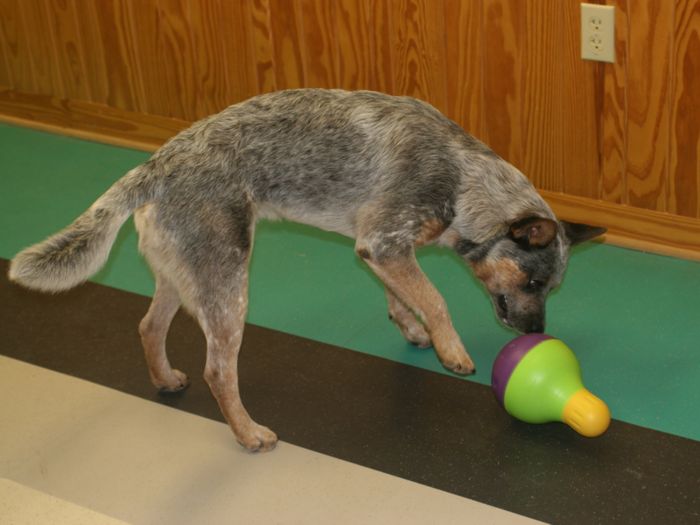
{"type": "Point", "coordinates": [634, 228]}
{"type": "Point", "coordinates": [88, 121]}
{"type": "Point", "coordinates": [628, 227]}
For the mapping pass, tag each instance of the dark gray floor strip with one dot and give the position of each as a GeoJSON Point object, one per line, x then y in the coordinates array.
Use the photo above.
{"type": "Point", "coordinates": [443, 432]}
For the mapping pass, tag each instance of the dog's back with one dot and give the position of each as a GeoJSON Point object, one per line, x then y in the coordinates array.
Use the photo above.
{"type": "Point", "coordinates": [318, 156]}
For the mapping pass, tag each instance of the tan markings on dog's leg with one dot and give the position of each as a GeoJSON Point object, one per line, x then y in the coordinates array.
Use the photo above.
{"type": "Point", "coordinates": [410, 285]}
{"type": "Point", "coordinates": [224, 332]}
{"type": "Point", "coordinates": [154, 329]}
{"type": "Point", "coordinates": [406, 321]}
{"type": "Point", "coordinates": [429, 233]}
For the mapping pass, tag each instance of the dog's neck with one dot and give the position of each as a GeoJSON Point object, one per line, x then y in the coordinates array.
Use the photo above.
{"type": "Point", "coordinates": [484, 211]}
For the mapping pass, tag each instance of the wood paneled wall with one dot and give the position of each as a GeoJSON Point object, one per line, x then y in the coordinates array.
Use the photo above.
{"type": "Point", "coordinates": [624, 136]}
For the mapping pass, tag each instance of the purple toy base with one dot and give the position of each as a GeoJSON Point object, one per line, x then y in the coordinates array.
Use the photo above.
{"type": "Point", "coordinates": [508, 358]}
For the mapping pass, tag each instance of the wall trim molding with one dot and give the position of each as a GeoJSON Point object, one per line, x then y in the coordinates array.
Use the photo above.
{"type": "Point", "coordinates": [633, 228]}
{"type": "Point", "coordinates": [87, 120]}
{"type": "Point", "coordinates": [628, 227]}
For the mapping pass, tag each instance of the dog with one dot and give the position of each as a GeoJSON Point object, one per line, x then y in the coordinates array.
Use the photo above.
{"type": "Point", "coordinates": [391, 172]}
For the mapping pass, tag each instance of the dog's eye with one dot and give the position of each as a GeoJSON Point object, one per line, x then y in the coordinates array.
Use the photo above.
{"type": "Point", "coordinates": [535, 286]}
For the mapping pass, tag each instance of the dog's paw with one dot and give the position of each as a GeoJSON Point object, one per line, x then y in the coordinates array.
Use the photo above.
{"type": "Point", "coordinates": [418, 336]}
{"type": "Point", "coordinates": [414, 332]}
{"type": "Point", "coordinates": [178, 381]}
{"type": "Point", "coordinates": [258, 439]}
{"type": "Point", "coordinates": [458, 361]}
{"type": "Point", "coordinates": [463, 367]}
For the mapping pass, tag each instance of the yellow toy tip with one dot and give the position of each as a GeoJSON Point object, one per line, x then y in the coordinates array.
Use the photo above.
{"type": "Point", "coordinates": [586, 414]}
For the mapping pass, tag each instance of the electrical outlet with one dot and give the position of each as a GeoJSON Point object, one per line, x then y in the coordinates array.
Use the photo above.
{"type": "Point", "coordinates": [598, 32]}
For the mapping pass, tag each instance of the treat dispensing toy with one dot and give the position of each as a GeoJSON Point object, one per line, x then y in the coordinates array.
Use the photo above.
{"type": "Point", "coordinates": [537, 379]}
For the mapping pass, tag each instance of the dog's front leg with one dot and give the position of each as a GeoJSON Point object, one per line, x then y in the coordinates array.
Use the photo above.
{"type": "Point", "coordinates": [404, 277]}
{"type": "Point", "coordinates": [406, 321]}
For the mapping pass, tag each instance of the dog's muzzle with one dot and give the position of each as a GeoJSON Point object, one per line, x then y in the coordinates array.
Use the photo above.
{"type": "Point", "coordinates": [528, 325]}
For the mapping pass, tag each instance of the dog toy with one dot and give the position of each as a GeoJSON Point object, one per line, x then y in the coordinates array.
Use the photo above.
{"type": "Point", "coordinates": [537, 379]}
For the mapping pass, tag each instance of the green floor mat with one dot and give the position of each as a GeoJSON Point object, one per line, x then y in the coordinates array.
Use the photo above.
{"type": "Point", "coordinates": [631, 318]}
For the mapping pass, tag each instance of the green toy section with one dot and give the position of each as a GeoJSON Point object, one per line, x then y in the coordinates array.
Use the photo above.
{"type": "Point", "coordinates": [539, 380]}
{"type": "Point", "coordinates": [630, 318]}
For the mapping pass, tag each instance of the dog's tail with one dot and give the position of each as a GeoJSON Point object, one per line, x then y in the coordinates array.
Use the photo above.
{"type": "Point", "coordinates": [71, 256]}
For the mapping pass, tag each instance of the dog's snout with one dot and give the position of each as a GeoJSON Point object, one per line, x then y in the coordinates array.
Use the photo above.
{"type": "Point", "coordinates": [537, 327]}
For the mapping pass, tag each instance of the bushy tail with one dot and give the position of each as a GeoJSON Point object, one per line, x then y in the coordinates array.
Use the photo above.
{"type": "Point", "coordinates": [71, 256]}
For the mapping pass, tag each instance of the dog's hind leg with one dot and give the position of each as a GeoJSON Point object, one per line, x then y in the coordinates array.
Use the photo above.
{"type": "Point", "coordinates": [153, 330]}
{"type": "Point", "coordinates": [215, 252]}
{"type": "Point", "coordinates": [223, 326]}
{"type": "Point", "coordinates": [405, 320]}
{"type": "Point", "coordinates": [166, 301]}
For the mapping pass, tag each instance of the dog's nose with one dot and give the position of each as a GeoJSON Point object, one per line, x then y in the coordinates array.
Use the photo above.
{"type": "Point", "coordinates": [537, 327]}
{"type": "Point", "coordinates": [533, 325]}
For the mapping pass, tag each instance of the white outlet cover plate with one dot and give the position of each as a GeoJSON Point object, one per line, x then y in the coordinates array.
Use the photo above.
{"type": "Point", "coordinates": [598, 21]}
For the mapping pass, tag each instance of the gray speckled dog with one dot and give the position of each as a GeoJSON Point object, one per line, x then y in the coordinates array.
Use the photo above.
{"type": "Point", "coordinates": [392, 173]}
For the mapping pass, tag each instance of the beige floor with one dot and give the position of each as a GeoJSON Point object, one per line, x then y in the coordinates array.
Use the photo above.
{"type": "Point", "coordinates": [86, 446]}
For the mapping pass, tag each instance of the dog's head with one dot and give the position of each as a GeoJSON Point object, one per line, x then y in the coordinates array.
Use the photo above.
{"type": "Point", "coordinates": [522, 267]}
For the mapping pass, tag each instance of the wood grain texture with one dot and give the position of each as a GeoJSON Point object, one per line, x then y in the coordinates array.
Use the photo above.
{"type": "Point", "coordinates": [355, 49]}
{"type": "Point", "coordinates": [464, 52]}
{"type": "Point", "coordinates": [383, 50]}
{"type": "Point", "coordinates": [42, 51]}
{"type": "Point", "coordinates": [90, 37]}
{"type": "Point", "coordinates": [684, 165]}
{"type": "Point", "coordinates": [20, 72]}
{"type": "Point", "coordinates": [647, 103]}
{"type": "Point", "coordinates": [239, 53]}
{"type": "Point", "coordinates": [118, 52]}
{"type": "Point", "coordinates": [289, 55]}
{"type": "Point", "coordinates": [147, 16]}
{"type": "Point", "coordinates": [5, 76]}
{"type": "Point", "coordinates": [261, 27]}
{"type": "Point", "coordinates": [541, 95]}
{"type": "Point", "coordinates": [502, 79]}
{"type": "Point", "coordinates": [320, 43]}
{"type": "Point", "coordinates": [206, 28]}
{"type": "Point", "coordinates": [613, 182]}
{"type": "Point", "coordinates": [180, 58]}
{"type": "Point", "coordinates": [68, 48]}
{"type": "Point", "coordinates": [419, 50]}
{"type": "Point", "coordinates": [582, 107]}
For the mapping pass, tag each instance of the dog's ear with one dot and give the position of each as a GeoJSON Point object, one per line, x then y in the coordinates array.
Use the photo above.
{"type": "Point", "coordinates": [578, 233]}
{"type": "Point", "coordinates": [534, 231]}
